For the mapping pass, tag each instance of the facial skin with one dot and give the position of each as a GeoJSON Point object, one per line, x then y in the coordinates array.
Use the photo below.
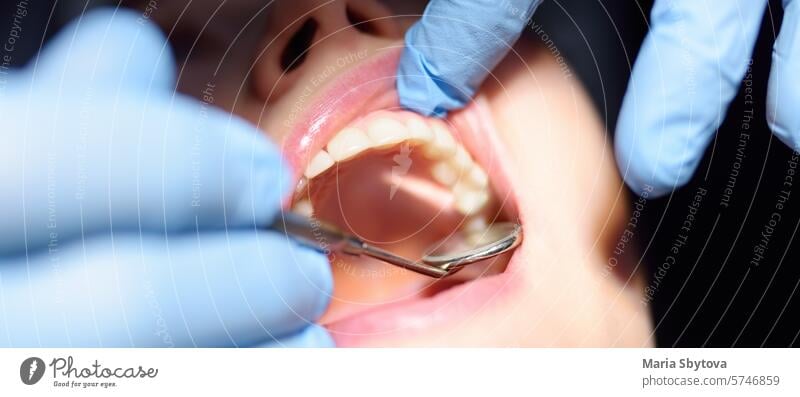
{"type": "Point", "coordinates": [560, 289]}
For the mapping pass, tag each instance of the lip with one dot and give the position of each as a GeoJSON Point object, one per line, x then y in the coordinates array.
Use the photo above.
{"type": "Point", "coordinates": [365, 87]}
{"type": "Point", "coordinates": [443, 312]}
{"type": "Point", "coordinates": [370, 86]}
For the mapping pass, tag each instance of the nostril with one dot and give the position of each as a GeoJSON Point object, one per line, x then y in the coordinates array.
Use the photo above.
{"type": "Point", "coordinates": [297, 49]}
{"type": "Point", "coordinates": [362, 23]}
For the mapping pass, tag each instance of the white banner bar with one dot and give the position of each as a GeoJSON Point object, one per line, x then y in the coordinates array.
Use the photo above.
{"type": "Point", "coordinates": [399, 372]}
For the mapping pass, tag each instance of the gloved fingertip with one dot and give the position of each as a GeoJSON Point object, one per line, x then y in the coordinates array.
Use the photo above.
{"type": "Point", "coordinates": [652, 170]}
{"type": "Point", "coordinates": [318, 269]}
{"type": "Point", "coordinates": [645, 187]}
{"type": "Point", "coordinates": [420, 90]}
{"type": "Point", "coordinates": [645, 181]}
{"type": "Point", "coordinates": [783, 96]}
{"type": "Point", "coordinates": [784, 123]}
{"type": "Point", "coordinates": [114, 46]}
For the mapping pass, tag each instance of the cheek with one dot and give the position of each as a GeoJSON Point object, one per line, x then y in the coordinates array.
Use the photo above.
{"type": "Point", "coordinates": [272, 120]}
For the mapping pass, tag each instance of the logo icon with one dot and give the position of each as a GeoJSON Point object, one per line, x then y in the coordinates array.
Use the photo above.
{"type": "Point", "coordinates": [31, 370]}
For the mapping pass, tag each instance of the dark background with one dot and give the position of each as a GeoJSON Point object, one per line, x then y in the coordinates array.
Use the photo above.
{"type": "Point", "coordinates": [712, 296]}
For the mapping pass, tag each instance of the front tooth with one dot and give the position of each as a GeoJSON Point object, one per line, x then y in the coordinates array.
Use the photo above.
{"type": "Point", "coordinates": [348, 143]}
{"type": "Point", "coordinates": [419, 130]}
{"type": "Point", "coordinates": [386, 132]}
{"type": "Point", "coordinates": [321, 162]}
{"type": "Point", "coordinates": [444, 141]}
{"type": "Point", "coordinates": [443, 144]}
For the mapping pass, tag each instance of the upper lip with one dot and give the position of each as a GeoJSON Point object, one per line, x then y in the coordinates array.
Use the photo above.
{"type": "Point", "coordinates": [369, 86]}
{"type": "Point", "coordinates": [365, 87]}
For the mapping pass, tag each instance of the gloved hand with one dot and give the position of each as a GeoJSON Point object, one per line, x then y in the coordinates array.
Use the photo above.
{"type": "Point", "coordinates": [688, 70]}
{"type": "Point", "coordinates": [130, 211]}
{"type": "Point", "coordinates": [453, 47]}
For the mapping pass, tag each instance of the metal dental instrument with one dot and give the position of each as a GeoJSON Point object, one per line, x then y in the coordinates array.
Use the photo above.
{"type": "Point", "coordinates": [444, 258]}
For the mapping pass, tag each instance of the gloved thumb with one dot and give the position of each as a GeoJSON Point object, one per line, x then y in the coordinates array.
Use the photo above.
{"type": "Point", "coordinates": [114, 48]}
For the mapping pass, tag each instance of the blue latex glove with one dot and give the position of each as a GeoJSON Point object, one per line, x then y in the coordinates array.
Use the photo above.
{"type": "Point", "coordinates": [130, 211]}
{"type": "Point", "coordinates": [453, 47]}
{"type": "Point", "coordinates": [689, 69]}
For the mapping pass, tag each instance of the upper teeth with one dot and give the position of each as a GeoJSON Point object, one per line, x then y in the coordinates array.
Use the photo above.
{"type": "Point", "coordinates": [348, 143]}
{"type": "Point", "coordinates": [321, 162]}
{"type": "Point", "coordinates": [386, 132]}
{"type": "Point", "coordinates": [453, 165]}
{"type": "Point", "coordinates": [419, 131]}
{"type": "Point", "coordinates": [442, 145]}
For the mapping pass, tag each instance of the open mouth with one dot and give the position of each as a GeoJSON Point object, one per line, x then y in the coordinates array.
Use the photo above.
{"type": "Point", "coordinates": [401, 182]}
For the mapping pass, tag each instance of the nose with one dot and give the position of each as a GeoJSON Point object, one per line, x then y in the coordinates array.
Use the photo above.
{"type": "Point", "coordinates": [309, 37]}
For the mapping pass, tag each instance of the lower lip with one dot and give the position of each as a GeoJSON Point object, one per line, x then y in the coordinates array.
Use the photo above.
{"type": "Point", "coordinates": [445, 311]}
{"type": "Point", "coordinates": [404, 319]}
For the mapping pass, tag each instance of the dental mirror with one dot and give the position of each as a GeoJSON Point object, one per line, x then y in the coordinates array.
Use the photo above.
{"type": "Point", "coordinates": [443, 258]}
{"type": "Point", "coordinates": [461, 249]}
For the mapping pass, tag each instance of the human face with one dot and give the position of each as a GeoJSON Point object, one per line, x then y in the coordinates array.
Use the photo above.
{"type": "Point", "coordinates": [530, 149]}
